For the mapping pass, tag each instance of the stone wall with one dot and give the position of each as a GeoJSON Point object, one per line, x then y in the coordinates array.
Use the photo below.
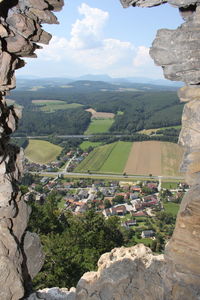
{"type": "Point", "coordinates": [20, 252]}
{"type": "Point", "coordinates": [125, 273]}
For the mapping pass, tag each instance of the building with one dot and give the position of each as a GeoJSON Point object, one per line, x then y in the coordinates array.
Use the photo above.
{"type": "Point", "coordinates": [147, 234]}
{"type": "Point", "coordinates": [119, 210]}
{"type": "Point", "coordinates": [129, 223]}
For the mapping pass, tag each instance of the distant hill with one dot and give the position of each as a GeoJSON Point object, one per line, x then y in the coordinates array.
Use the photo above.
{"type": "Point", "coordinates": [87, 85]}
{"type": "Point", "coordinates": [92, 77]}
{"type": "Point", "coordinates": [143, 80]}
{"type": "Point", "coordinates": [30, 80]}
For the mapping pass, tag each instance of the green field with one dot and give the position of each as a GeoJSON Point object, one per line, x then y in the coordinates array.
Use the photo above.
{"type": "Point", "coordinates": [86, 144]}
{"type": "Point", "coordinates": [41, 152]}
{"type": "Point", "coordinates": [118, 158]}
{"type": "Point", "coordinates": [96, 158]}
{"type": "Point", "coordinates": [53, 105]}
{"type": "Point", "coordinates": [171, 207]}
{"type": "Point", "coordinates": [170, 185]}
{"type": "Point", "coordinates": [99, 126]}
{"type": "Point", "coordinates": [109, 158]}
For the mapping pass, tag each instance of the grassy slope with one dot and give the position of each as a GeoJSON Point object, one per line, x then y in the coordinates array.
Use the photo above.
{"type": "Point", "coordinates": [39, 151]}
{"type": "Point", "coordinates": [118, 158]}
{"type": "Point", "coordinates": [99, 126]}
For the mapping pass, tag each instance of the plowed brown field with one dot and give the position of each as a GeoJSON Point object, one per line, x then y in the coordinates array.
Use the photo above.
{"type": "Point", "coordinates": [154, 157]}
{"type": "Point", "coordinates": [100, 115]}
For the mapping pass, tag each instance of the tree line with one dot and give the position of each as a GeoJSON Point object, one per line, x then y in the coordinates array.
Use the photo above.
{"type": "Point", "coordinates": [139, 110]}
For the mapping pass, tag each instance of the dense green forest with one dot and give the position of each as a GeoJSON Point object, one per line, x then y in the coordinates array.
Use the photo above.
{"type": "Point", "coordinates": [71, 121]}
{"type": "Point", "coordinates": [139, 109]}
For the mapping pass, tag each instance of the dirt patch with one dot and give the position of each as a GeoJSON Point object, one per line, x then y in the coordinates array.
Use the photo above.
{"type": "Point", "coordinates": [144, 159]}
{"type": "Point", "coordinates": [100, 115]}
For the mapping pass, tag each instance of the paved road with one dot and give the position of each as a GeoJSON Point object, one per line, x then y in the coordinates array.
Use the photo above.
{"type": "Point", "coordinates": [68, 164]}
{"type": "Point", "coordinates": [109, 175]}
{"type": "Point", "coordinates": [70, 136]}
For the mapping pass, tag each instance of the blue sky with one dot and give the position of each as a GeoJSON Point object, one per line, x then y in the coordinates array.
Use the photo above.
{"type": "Point", "coordinates": [100, 37]}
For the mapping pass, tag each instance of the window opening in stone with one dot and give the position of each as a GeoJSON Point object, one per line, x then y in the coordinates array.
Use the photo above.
{"type": "Point", "coordinates": [77, 233]}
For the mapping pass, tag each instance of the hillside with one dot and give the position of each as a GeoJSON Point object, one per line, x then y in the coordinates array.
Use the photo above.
{"type": "Point", "coordinates": [42, 152]}
{"type": "Point", "coordinates": [141, 106]}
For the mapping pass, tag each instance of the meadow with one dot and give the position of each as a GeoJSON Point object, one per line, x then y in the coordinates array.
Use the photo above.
{"type": "Point", "coordinates": [117, 159]}
{"type": "Point", "coordinates": [54, 105]}
{"type": "Point", "coordinates": [96, 158]}
{"type": "Point", "coordinates": [42, 152]}
{"type": "Point", "coordinates": [99, 126]}
{"type": "Point", "coordinates": [109, 158]}
{"type": "Point", "coordinates": [86, 144]}
{"type": "Point", "coordinates": [171, 207]}
{"type": "Point", "coordinates": [170, 185]}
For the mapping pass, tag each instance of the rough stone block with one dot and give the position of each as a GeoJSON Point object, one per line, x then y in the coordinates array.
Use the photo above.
{"type": "Point", "coordinates": [33, 252]}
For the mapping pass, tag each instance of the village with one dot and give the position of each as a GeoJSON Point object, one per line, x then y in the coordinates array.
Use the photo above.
{"type": "Point", "coordinates": [132, 202]}
{"type": "Point", "coordinates": [66, 162]}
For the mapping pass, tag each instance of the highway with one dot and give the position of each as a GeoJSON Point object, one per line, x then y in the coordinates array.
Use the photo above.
{"type": "Point", "coordinates": [59, 173]}
{"type": "Point", "coordinates": [81, 136]}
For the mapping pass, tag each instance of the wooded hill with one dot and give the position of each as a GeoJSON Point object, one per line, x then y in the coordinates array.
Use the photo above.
{"type": "Point", "coordinates": [144, 106]}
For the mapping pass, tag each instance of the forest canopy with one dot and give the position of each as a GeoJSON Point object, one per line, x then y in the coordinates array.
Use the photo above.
{"type": "Point", "coordinates": [134, 110]}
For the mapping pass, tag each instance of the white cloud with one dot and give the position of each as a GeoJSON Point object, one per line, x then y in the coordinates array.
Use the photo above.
{"type": "Point", "coordinates": [142, 57]}
{"type": "Point", "coordinates": [87, 33]}
{"type": "Point", "coordinates": [88, 47]}
{"type": "Point", "coordinates": [110, 53]}
{"type": "Point", "coordinates": [55, 51]}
